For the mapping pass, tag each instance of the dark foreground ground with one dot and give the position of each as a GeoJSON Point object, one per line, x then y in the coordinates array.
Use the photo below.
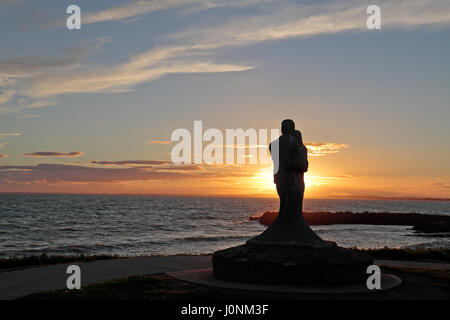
{"type": "Point", "coordinates": [420, 284]}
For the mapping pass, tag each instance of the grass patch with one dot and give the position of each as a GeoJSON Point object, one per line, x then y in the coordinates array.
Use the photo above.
{"type": "Point", "coordinates": [135, 288]}
{"type": "Point", "coordinates": [151, 287]}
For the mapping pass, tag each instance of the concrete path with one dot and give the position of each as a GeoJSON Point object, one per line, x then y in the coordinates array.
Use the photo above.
{"type": "Point", "coordinates": [18, 283]}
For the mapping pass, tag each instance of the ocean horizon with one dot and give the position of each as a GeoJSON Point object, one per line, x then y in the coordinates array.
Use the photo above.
{"type": "Point", "coordinates": [253, 196]}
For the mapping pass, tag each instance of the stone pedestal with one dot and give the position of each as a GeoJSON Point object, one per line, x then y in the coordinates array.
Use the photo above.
{"type": "Point", "coordinates": [291, 265]}
{"type": "Point", "coordinates": [288, 252]}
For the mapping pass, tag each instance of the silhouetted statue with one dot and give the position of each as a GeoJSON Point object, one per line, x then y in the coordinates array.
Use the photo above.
{"type": "Point", "coordinates": [289, 251]}
{"type": "Point", "coordinates": [289, 227]}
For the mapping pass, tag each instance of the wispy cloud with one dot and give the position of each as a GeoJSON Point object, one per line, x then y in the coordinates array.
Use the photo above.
{"type": "Point", "coordinates": [3, 135]}
{"type": "Point", "coordinates": [294, 20]}
{"type": "Point", "coordinates": [180, 168]}
{"type": "Point", "coordinates": [139, 8]}
{"type": "Point", "coordinates": [154, 165]}
{"type": "Point", "coordinates": [119, 79]}
{"type": "Point", "coordinates": [48, 77]}
{"type": "Point", "coordinates": [131, 162]}
{"type": "Point", "coordinates": [158, 142]}
{"type": "Point", "coordinates": [30, 66]}
{"type": "Point", "coordinates": [57, 173]}
{"type": "Point", "coordinates": [317, 149]}
{"type": "Point", "coordinates": [21, 105]}
{"type": "Point", "coordinates": [54, 154]}
{"type": "Point", "coordinates": [54, 173]}
{"type": "Point", "coordinates": [17, 74]}
{"type": "Point", "coordinates": [195, 50]}
{"type": "Point", "coordinates": [14, 134]}
{"type": "Point", "coordinates": [135, 9]}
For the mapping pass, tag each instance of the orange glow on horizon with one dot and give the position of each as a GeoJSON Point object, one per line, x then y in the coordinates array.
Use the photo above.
{"type": "Point", "coordinates": [325, 179]}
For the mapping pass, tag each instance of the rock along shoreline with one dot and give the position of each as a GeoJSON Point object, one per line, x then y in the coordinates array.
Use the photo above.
{"type": "Point", "coordinates": [427, 223]}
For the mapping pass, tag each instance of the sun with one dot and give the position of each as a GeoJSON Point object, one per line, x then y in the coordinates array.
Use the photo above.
{"type": "Point", "coordinates": [264, 180]}
{"type": "Point", "coordinates": [309, 180]}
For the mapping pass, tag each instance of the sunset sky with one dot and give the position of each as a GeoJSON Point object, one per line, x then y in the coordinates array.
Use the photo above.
{"type": "Point", "coordinates": [92, 110]}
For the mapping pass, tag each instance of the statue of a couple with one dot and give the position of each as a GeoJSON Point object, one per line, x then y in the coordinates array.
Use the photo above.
{"type": "Point", "coordinates": [288, 251]}
{"type": "Point", "coordinates": [289, 156]}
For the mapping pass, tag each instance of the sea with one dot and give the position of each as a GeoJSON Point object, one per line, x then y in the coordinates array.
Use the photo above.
{"type": "Point", "coordinates": [132, 225]}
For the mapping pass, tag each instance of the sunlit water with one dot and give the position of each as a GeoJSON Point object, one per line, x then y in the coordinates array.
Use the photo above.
{"type": "Point", "coordinates": [146, 225]}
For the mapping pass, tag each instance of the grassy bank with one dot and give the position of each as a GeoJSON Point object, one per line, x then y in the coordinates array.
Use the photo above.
{"type": "Point", "coordinates": [434, 255]}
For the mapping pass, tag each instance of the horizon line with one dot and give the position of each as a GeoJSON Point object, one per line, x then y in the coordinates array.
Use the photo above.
{"type": "Point", "coordinates": [363, 197]}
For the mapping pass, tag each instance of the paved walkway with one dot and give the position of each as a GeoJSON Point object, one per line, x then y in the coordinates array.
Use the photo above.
{"type": "Point", "coordinates": [18, 283]}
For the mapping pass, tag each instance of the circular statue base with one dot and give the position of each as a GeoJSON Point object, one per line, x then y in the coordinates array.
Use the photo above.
{"type": "Point", "coordinates": [291, 264]}
{"type": "Point", "coordinates": [206, 278]}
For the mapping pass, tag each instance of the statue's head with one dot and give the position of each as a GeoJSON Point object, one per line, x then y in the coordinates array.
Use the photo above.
{"type": "Point", "coordinates": [287, 126]}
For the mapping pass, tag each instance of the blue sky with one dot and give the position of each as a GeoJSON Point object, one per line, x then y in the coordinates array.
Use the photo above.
{"type": "Point", "coordinates": [138, 70]}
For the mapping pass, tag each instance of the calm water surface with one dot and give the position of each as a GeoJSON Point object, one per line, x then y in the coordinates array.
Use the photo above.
{"type": "Point", "coordinates": [143, 225]}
